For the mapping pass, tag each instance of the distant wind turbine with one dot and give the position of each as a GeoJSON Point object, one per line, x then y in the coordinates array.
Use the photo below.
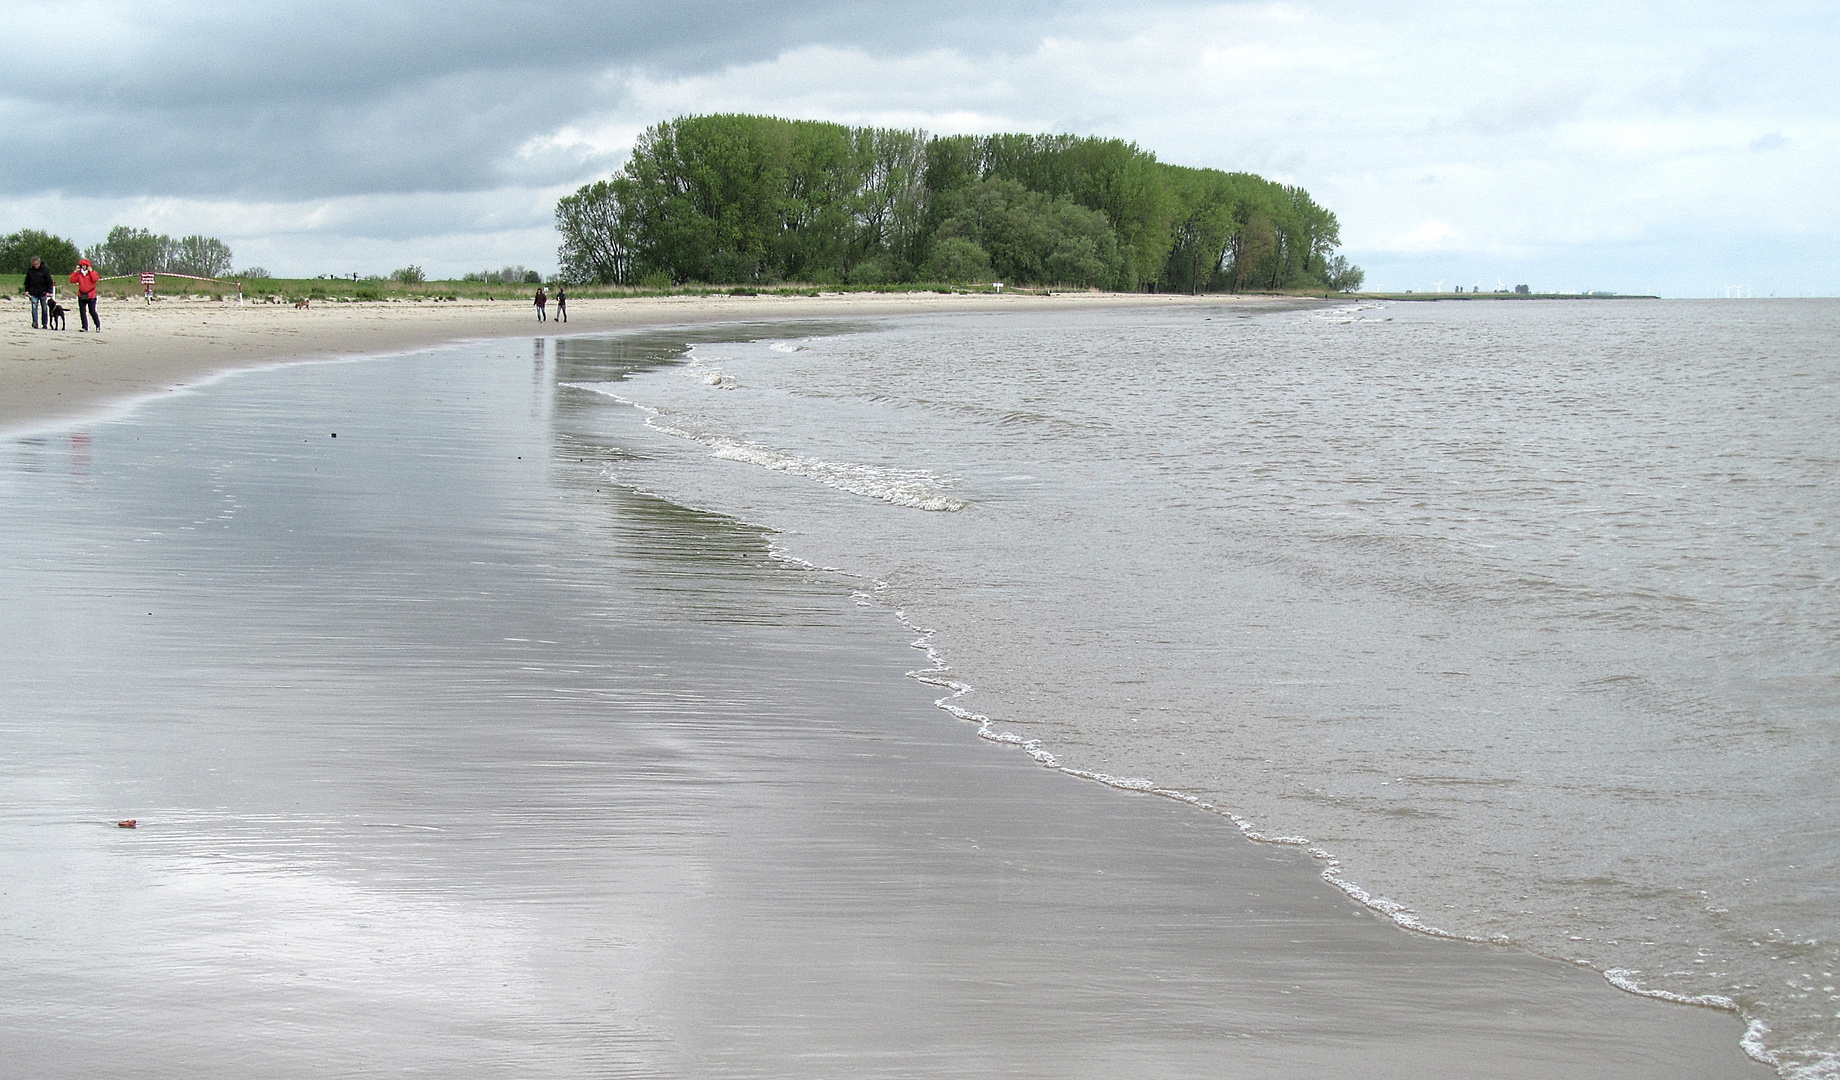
{"type": "Point", "coordinates": [1438, 285]}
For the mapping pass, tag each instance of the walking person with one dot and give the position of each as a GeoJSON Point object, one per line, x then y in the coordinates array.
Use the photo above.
{"type": "Point", "coordinates": [542, 302]}
{"type": "Point", "coordinates": [38, 287]}
{"type": "Point", "coordinates": [562, 303]}
{"type": "Point", "coordinates": [85, 279]}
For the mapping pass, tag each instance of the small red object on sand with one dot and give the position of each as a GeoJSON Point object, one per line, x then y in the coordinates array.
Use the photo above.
{"type": "Point", "coordinates": [128, 824]}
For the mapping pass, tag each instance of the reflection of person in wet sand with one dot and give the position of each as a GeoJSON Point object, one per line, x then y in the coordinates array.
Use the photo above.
{"type": "Point", "coordinates": [542, 302]}
{"type": "Point", "coordinates": [562, 303]}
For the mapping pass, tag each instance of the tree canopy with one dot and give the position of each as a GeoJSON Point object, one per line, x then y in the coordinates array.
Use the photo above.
{"type": "Point", "coordinates": [738, 199]}
{"type": "Point", "coordinates": [133, 251]}
{"type": "Point", "coordinates": [19, 249]}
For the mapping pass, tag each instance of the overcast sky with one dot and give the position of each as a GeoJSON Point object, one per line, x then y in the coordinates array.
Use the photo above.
{"type": "Point", "coordinates": [1682, 149]}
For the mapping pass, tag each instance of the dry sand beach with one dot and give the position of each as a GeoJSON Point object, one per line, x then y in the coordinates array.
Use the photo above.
{"type": "Point", "coordinates": [868, 890]}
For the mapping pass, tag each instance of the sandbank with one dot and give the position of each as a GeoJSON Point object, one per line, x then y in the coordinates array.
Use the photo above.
{"type": "Point", "coordinates": [146, 349]}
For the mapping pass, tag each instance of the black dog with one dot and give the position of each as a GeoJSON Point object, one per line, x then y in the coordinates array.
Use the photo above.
{"type": "Point", "coordinates": [54, 314]}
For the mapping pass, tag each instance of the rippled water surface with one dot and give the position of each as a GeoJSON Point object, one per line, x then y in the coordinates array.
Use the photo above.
{"type": "Point", "coordinates": [1525, 614]}
{"type": "Point", "coordinates": [452, 756]}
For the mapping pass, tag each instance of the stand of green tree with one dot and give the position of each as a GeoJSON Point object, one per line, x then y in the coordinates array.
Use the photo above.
{"type": "Point", "coordinates": [17, 250]}
{"type": "Point", "coordinates": [125, 251]}
{"type": "Point", "coordinates": [754, 199]}
{"type": "Point", "coordinates": [137, 251]}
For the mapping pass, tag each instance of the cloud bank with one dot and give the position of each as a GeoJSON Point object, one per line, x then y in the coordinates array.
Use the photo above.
{"type": "Point", "coordinates": [1617, 146]}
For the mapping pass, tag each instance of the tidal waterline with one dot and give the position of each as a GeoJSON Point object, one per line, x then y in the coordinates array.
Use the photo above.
{"type": "Point", "coordinates": [451, 757]}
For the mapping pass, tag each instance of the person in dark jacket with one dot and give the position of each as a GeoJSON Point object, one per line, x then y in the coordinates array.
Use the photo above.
{"type": "Point", "coordinates": [542, 302]}
{"type": "Point", "coordinates": [38, 287]}
{"type": "Point", "coordinates": [562, 303]}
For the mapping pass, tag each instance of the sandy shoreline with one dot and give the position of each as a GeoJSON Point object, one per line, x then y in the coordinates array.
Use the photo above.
{"type": "Point", "coordinates": [49, 377]}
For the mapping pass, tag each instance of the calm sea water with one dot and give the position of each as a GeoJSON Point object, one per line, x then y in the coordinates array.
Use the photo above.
{"type": "Point", "coordinates": [451, 758]}
{"type": "Point", "coordinates": [1522, 616]}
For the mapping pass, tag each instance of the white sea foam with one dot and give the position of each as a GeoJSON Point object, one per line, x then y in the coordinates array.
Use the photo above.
{"type": "Point", "coordinates": [1349, 313]}
{"type": "Point", "coordinates": [920, 489]}
{"type": "Point", "coordinates": [1756, 1040]}
{"type": "Point", "coordinates": [1624, 979]}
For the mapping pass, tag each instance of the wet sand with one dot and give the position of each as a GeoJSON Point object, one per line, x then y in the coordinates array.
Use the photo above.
{"type": "Point", "coordinates": [452, 760]}
{"type": "Point", "coordinates": [51, 376]}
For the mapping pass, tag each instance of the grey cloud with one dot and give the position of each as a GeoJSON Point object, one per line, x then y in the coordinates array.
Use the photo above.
{"type": "Point", "coordinates": [1539, 109]}
{"type": "Point", "coordinates": [416, 217]}
{"type": "Point", "coordinates": [305, 100]}
{"type": "Point", "coordinates": [1765, 64]}
{"type": "Point", "coordinates": [329, 135]}
{"type": "Point", "coordinates": [335, 50]}
{"type": "Point", "coordinates": [443, 136]}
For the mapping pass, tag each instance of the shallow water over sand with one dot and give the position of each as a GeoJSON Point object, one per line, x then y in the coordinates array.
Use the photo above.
{"type": "Point", "coordinates": [1527, 614]}
{"type": "Point", "coordinates": [451, 758]}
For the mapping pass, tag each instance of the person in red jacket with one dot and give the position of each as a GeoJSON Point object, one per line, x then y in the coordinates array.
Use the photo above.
{"type": "Point", "coordinates": [85, 279]}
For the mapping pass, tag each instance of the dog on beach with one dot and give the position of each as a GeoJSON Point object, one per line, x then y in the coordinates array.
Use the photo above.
{"type": "Point", "coordinates": [298, 304]}
{"type": "Point", "coordinates": [54, 314]}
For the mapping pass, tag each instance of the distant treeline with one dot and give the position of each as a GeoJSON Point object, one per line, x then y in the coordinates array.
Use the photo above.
{"type": "Point", "coordinates": [754, 199]}
{"type": "Point", "coordinates": [17, 250]}
{"type": "Point", "coordinates": [125, 251]}
{"type": "Point", "coordinates": [514, 274]}
{"type": "Point", "coordinates": [139, 251]}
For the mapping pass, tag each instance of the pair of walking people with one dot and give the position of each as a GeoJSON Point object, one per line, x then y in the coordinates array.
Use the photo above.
{"type": "Point", "coordinates": [562, 304]}
{"type": "Point", "coordinates": [40, 290]}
